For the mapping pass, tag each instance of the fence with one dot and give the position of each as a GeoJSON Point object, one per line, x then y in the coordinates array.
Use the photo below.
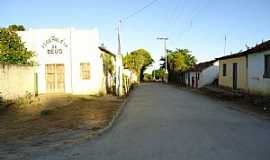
{"type": "Point", "coordinates": [16, 80]}
{"type": "Point", "coordinates": [177, 77]}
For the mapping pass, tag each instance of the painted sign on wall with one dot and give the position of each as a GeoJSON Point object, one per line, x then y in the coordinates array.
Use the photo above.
{"type": "Point", "coordinates": [54, 45]}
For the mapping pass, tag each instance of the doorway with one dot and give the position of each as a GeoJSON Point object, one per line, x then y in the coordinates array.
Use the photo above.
{"type": "Point", "coordinates": [235, 76]}
{"type": "Point", "coordinates": [55, 78]}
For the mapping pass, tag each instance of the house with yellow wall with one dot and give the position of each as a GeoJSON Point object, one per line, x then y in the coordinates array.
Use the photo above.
{"type": "Point", "coordinates": [248, 71]}
{"type": "Point", "coordinates": [233, 71]}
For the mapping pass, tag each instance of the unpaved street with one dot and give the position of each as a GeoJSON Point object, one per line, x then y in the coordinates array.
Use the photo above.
{"type": "Point", "coordinates": [161, 122]}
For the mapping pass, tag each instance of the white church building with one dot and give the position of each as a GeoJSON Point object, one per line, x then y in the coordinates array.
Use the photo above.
{"type": "Point", "coordinates": [68, 60]}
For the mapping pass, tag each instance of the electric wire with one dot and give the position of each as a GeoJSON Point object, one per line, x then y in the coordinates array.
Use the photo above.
{"type": "Point", "coordinates": [192, 17]}
{"type": "Point", "coordinates": [138, 11]}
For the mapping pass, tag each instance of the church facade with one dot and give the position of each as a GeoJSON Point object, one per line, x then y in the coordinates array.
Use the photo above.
{"type": "Point", "coordinates": [68, 60]}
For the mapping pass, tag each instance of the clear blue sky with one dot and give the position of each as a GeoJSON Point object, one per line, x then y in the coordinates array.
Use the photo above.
{"type": "Point", "coordinates": [244, 22]}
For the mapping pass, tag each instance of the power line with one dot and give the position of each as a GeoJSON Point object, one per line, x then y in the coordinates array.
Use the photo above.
{"type": "Point", "coordinates": [200, 9]}
{"type": "Point", "coordinates": [175, 12]}
{"type": "Point", "coordinates": [128, 17]}
{"type": "Point", "coordinates": [188, 30]}
{"type": "Point", "coordinates": [195, 13]}
{"type": "Point", "coordinates": [139, 10]}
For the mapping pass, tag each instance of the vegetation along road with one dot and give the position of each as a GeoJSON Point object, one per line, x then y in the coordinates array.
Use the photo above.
{"type": "Point", "coordinates": [163, 122]}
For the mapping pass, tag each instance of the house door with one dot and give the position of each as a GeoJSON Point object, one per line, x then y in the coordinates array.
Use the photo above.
{"type": "Point", "coordinates": [55, 78]}
{"type": "Point", "coordinates": [235, 76]}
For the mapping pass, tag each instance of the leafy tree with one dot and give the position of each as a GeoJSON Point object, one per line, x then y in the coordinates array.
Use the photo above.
{"type": "Point", "coordinates": [15, 27]}
{"type": "Point", "coordinates": [108, 69]}
{"type": "Point", "coordinates": [138, 61]}
{"type": "Point", "coordinates": [108, 63]}
{"type": "Point", "coordinates": [12, 49]}
{"type": "Point", "coordinates": [147, 77]}
{"type": "Point", "coordinates": [179, 60]}
{"type": "Point", "coordinates": [158, 73]}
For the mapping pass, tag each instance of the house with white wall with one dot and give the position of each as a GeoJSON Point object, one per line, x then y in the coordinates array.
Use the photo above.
{"type": "Point", "coordinates": [259, 69]}
{"type": "Point", "coordinates": [68, 60]}
{"type": "Point", "coordinates": [202, 74]}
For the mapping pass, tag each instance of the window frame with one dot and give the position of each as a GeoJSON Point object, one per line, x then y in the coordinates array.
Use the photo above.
{"type": "Point", "coordinates": [85, 74]}
{"type": "Point", "coordinates": [266, 72]}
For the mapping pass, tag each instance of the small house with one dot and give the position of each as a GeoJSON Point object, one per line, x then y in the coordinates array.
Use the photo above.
{"type": "Point", "coordinates": [233, 71]}
{"type": "Point", "coordinates": [202, 74]}
{"type": "Point", "coordinates": [248, 71]}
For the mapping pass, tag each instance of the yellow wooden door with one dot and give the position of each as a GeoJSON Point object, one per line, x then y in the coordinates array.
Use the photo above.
{"type": "Point", "coordinates": [55, 78]}
{"type": "Point", "coordinates": [60, 78]}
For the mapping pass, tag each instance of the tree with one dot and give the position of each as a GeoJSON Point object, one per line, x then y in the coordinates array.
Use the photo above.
{"type": "Point", "coordinates": [147, 77]}
{"type": "Point", "coordinates": [108, 63]}
{"type": "Point", "coordinates": [138, 61]}
{"type": "Point", "coordinates": [15, 27]}
{"type": "Point", "coordinates": [158, 74]}
{"type": "Point", "coordinates": [179, 60]}
{"type": "Point", "coordinates": [12, 49]}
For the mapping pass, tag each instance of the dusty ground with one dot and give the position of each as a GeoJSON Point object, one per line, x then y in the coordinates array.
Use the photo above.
{"type": "Point", "coordinates": [257, 105]}
{"type": "Point", "coordinates": [161, 122]}
{"type": "Point", "coordinates": [53, 119]}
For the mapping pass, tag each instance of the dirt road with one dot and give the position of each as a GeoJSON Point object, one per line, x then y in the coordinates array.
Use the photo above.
{"type": "Point", "coordinates": [161, 122]}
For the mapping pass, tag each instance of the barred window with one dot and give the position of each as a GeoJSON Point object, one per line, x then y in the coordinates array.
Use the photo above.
{"type": "Point", "coordinates": [85, 71]}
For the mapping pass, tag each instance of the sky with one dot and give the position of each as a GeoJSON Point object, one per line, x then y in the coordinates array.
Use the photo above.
{"type": "Point", "coordinates": [197, 25]}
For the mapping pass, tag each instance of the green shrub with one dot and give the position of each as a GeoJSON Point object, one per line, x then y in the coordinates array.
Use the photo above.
{"type": "Point", "coordinates": [12, 49]}
{"type": "Point", "coordinates": [28, 98]}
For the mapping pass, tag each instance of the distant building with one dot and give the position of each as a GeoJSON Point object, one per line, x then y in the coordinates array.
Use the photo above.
{"type": "Point", "coordinates": [69, 60]}
{"type": "Point", "coordinates": [202, 74]}
{"type": "Point", "coordinates": [248, 71]}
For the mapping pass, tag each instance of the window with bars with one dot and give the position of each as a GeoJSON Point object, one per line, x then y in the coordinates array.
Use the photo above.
{"type": "Point", "coordinates": [267, 66]}
{"type": "Point", "coordinates": [85, 71]}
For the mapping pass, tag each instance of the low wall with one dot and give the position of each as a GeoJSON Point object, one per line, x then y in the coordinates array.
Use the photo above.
{"type": "Point", "coordinates": [16, 80]}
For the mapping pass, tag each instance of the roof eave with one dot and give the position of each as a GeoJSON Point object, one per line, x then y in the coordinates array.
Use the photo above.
{"type": "Point", "coordinates": [106, 51]}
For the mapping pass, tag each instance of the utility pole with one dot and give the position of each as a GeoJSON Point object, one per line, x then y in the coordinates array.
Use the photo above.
{"type": "Point", "coordinates": [164, 39]}
{"type": "Point", "coordinates": [154, 72]}
{"type": "Point", "coordinates": [118, 36]}
{"type": "Point", "coordinates": [119, 65]}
